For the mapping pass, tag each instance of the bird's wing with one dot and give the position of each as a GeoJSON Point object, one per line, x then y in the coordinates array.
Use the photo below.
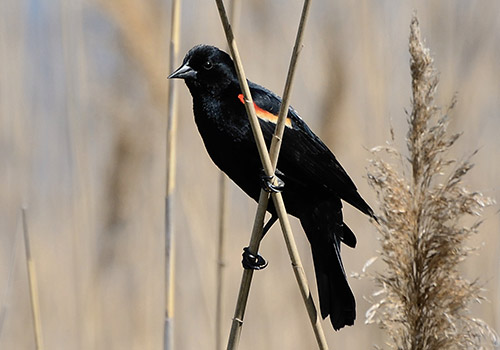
{"type": "Point", "coordinates": [301, 147]}
{"type": "Point", "coordinates": [304, 158]}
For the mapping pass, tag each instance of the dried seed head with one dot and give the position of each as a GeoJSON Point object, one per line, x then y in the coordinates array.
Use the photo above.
{"type": "Point", "coordinates": [424, 301]}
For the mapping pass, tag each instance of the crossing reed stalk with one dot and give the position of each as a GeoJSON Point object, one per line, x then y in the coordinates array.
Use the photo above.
{"type": "Point", "coordinates": [233, 11]}
{"type": "Point", "coordinates": [269, 168]}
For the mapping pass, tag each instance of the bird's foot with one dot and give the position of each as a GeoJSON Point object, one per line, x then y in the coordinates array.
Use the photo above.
{"type": "Point", "coordinates": [271, 184]}
{"type": "Point", "coordinates": [251, 261]}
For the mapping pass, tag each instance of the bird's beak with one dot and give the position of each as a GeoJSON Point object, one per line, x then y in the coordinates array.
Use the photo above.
{"type": "Point", "coordinates": [183, 72]}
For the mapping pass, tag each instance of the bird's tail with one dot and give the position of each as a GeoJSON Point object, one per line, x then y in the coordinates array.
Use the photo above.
{"type": "Point", "coordinates": [324, 229]}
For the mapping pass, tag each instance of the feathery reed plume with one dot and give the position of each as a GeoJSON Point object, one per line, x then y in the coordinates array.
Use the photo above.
{"type": "Point", "coordinates": [424, 301]}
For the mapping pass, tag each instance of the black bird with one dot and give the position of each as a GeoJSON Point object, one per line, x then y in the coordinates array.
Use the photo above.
{"type": "Point", "coordinates": [314, 181]}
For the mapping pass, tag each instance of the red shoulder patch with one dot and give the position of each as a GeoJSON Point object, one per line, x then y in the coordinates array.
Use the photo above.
{"type": "Point", "coordinates": [265, 115]}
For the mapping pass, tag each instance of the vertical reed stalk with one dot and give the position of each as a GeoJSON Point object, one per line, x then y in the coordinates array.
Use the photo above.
{"type": "Point", "coordinates": [264, 197]}
{"type": "Point", "coordinates": [33, 286]}
{"type": "Point", "coordinates": [168, 341]}
{"type": "Point", "coordinates": [74, 55]}
{"type": "Point", "coordinates": [8, 287]}
{"type": "Point", "coordinates": [222, 228]}
{"type": "Point", "coordinates": [220, 260]}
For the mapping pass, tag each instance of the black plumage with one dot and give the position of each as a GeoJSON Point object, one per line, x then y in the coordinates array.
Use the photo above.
{"type": "Point", "coordinates": [315, 182]}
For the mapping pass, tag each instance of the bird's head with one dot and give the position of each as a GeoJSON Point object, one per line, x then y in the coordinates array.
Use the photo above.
{"type": "Point", "coordinates": [206, 69]}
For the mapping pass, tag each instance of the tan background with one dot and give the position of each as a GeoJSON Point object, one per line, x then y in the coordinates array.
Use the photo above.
{"type": "Point", "coordinates": [82, 135]}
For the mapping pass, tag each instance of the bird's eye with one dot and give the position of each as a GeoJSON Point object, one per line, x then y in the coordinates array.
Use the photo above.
{"type": "Point", "coordinates": [207, 65]}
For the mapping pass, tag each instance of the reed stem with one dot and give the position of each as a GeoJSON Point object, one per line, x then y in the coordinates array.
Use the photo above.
{"type": "Point", "coordinates": [33, 285]}
{"type": "Point", "coordinates": [269, 168]}
{"type": "Point", "coordinates": [168, 342]}
{"type": "Point", "coordinates": [233, 12]}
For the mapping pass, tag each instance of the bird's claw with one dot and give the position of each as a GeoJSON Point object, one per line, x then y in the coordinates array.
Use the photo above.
{"type": "Point", "coordinates": [251, 261]}
{"type": "Point", "coordinates": [268, 184]}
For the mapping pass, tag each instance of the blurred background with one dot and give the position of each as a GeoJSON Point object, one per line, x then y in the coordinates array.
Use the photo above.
{"type": "Point", "coordinates": [82, 132]}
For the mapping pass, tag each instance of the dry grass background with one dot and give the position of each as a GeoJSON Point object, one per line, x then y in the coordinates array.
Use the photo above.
{"type": "Point", "coordinates": [82, 109]}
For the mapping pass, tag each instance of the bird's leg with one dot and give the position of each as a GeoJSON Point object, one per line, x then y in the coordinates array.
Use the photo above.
{"type": "Point", "coordinates": [269, 224]}
{"type": "Point", "coordinates": [251, 261]}
{"type": "Point", "coordinates": [267, 182]}
{"type": "Point", "coordinates": [256, 261]}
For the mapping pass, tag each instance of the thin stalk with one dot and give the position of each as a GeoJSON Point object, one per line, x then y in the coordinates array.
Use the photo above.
{"type": "Point", "coordinates": [269, 168]}
{"type": "Point", "coordinates": [222, 228]}
{"type": "Point", "coordinates": [75, 68]}
{"type": "Point", "coordinates": [8, 286]}
{"type": "Point", "coordinates": [33, 286]}
{"type": "Point", "coordinates": [168, 339]}
{"type": "Point", "coordinates": [220, 260]}
{"type": "Point", "coordinates": [278, 200]}
{"type": "Point", "coordinates": [280, 126]}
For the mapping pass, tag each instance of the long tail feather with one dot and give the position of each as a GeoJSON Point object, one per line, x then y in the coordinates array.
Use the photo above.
{"type": "Point", "coordinates": [324, 228]}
